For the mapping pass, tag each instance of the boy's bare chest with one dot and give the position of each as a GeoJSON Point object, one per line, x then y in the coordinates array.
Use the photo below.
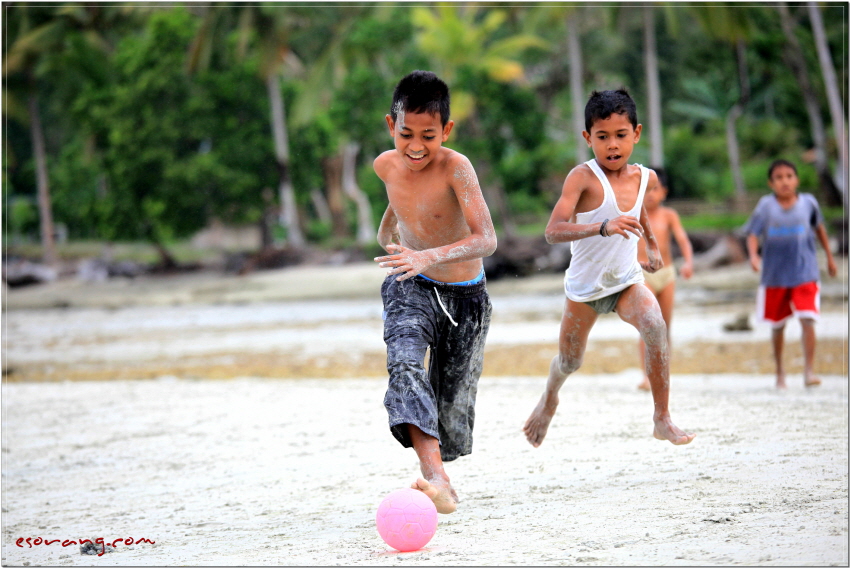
{"type": "Point", "coordinates": [427, 202]}
{"type": "Point", "coordinates": [658, 218]}
{"type": "Point", "coordinates": [660, 224]}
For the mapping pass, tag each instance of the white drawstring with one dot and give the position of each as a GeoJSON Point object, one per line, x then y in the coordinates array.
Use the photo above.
{"type": "Point", "coordinates": [445, 311]}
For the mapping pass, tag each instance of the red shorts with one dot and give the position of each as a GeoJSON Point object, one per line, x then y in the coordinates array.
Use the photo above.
{"type": "Point", "coordinates": [775, 305]}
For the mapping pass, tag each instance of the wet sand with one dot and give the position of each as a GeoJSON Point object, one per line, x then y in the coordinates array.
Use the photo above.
{"type": "Point", "coordinates": [268, 467]}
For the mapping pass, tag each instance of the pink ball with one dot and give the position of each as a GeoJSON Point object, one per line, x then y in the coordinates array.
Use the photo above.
{"type": "Point", "coordinates": [406, 519]}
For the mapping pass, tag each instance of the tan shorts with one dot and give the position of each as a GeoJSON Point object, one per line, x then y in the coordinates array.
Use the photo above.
{"type": "Point", "coordinates": [660, 279]}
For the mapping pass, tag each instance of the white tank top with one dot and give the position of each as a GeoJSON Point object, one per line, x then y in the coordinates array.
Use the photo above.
{"type": "Point", "coordinates": [601, 266]}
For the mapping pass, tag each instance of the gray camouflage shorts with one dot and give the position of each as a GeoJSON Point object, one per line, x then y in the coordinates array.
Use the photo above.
{"type": "Point", "coordinates": [451, 320]}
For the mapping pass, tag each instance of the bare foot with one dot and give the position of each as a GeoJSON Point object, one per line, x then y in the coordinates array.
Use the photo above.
{"type": "Point", "coordinates": [780, 381]}
{"type": "Point", "coordinates": [442, 494]}
{"type": "Point", "coordinates": [538, 423]}
{"type": "Point", "coordinates": [644, 386]}
{"type": "Point", "coordinates": [666, 430]}
{"type": "Point", "coordinates": [812, 381]}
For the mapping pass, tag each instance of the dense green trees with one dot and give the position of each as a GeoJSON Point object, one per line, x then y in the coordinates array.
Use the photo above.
{"type": "Point", "coordinates": [131, 122]}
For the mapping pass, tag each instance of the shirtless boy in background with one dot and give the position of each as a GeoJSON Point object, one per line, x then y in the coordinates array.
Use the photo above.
{"type": "Point", "coordinates": [666, 225]}
{"type": "Point", "coordinates": [436, 230]}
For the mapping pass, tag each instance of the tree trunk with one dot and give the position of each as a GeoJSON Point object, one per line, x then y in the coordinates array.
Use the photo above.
{"type": "Point", "coordinates": [497, 200]}
{"type": "Point", "coordinates": [332, 170]}
{"type": "Point", "coordinates": [45, 208]}
{"type": "Point", "coordinates": [365, 224]}
{"type": "Point", "coordinates": [743, 70]}
{"type": "Point", "coordinates": [166, 261]}
{"type": "Point", "coordinates": [320, 204]}
{"type": "Point", "coordinates": [797, 63]}
{"type": "Point", "coordinates": [833, 95]}
{"type": "Point", "coordinates": [732, 146]}
{"type": "Point", "coordinates": [735, 155]}
{"type": "Point", "coordinates": [268, 219]}
{"type": "Point", "coordinates": [288, 206]}
{"type": "Point", "coordinates": [656, 141]}
{"type": "Point", "coordinates": [496, 196]}
{"type": "Point", "coordinates": [576, 88]}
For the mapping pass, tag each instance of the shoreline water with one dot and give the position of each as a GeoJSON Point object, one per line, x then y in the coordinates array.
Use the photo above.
{"type": "Point", "coordinates": [201, 327]}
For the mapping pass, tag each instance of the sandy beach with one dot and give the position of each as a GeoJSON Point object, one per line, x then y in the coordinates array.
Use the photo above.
{"type": "Point", "coordinates": [240, 422]}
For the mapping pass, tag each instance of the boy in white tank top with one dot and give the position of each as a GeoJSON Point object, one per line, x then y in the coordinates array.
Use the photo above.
{"type": "Point", "coordinates": [601, 213]}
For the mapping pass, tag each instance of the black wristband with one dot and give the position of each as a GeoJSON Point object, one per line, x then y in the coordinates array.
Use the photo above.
{"type": "Point", "coordinates": [602, 228]}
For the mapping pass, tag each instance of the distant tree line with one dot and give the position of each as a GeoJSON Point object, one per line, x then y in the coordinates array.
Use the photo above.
{"type": "Point", "coordinates": [145, 122]}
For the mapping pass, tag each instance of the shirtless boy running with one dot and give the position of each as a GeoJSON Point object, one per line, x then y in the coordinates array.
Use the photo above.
{"type": "Point", "coordinates": [666, 226]}
{"type": "Point", "coordinates": [436, 230]}
{"type": "Point", "coordinates": [601, 213]}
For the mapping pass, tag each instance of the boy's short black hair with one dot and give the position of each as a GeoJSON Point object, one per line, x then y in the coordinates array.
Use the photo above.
{"type": "Point", "coordinates": [603, 104]}
{"type": "Point", "coordinates": [663, 178]}
{"type": "Point", "coordinates": [776, 164]}
{"type": "Point", "coordinates": [421, 91]}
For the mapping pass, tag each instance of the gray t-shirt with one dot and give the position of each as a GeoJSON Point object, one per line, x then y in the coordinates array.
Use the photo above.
{"type": "Point", "coordinates": [787, 240]}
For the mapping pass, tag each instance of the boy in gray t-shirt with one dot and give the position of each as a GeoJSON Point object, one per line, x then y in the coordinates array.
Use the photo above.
{"type": "Point", "coordinates": [786, 223]}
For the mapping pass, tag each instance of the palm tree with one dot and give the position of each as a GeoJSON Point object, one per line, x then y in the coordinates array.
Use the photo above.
{"type": "Point", "coordinates": [464, 38]}
{"type": "Point", "coordinates": [833, 95]}
{"type": "Point", "coordinates": [268, 30]}
{"type": "Point", "coordinates": [710, 97]}
{"type": "Point", "coordinates": [42, 36]}
{"type": "Point", "coordinates": [365, 223]}
{"type": "Point", "coordinates": [577, 94]}
{"type": "Point", "coordinates": [797, 62]}
{"type": "Point", "coordinates": [733, 26]}
{"type": "Point", "coordinates": [328, 69]}
{"type": "Point", "coordinates": [646, 13]}
{"type": "Point", "coordinates": [33, 44]}
{"type": "Point", "coordinates": [653, 88]}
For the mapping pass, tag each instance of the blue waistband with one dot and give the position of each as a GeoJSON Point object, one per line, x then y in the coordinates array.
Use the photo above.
{"type": "Point", "coordinates": [475, 280]}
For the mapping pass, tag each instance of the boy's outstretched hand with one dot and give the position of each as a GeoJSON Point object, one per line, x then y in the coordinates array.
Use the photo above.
{"type": "Point", "coordinates": [654, 262]}
{"type": "Point", "coordinates": [405, 261]}
{"type": "Point", "coordinates": [623, 225]}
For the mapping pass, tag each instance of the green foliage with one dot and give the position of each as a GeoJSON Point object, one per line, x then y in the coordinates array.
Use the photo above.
{"type": "Point", "coordinates": [358, 108]}
{"type": "Point", "coordinates": [310, 144]}
{"type": "Point", "coordinates": [319, 230]}
{"type": "Point", "coordinates": [513, 136]}
{"type": "Point", "coordinates": [157, 120]}
{"type": "Point", "coordinates": [725, 222]}
{"type": "Point", "coordinates": [22, 216]}
{"type": "Point", "coordinates": [234, 161]}
{"type": "Point", "coordinates": [768, 138]}
{"type": "Point", "coordinates": [78, 189]}
{"type": "Point", "coordinates": [146, 136]}
{"type": "Point", "coordinates": [170, 153]}
{"type": "Point", "coordinates": [696, 161]}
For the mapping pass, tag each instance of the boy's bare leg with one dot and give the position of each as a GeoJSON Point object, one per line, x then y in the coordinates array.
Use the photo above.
{"type": "Point", "coordinates": [435, 482]}
{"type": "Point", "coordinates": [638, 306]}
{"type": "Point", "coordinates": [576, 324]}
{"type": "Point", "coordinates": [665, 301]}
{"type": "Point", "coordinates": [809, 342]}
{"type": "Point", "coordinates": [777, 338]}
{"type": "Point", "coordinates": [644, 384]}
